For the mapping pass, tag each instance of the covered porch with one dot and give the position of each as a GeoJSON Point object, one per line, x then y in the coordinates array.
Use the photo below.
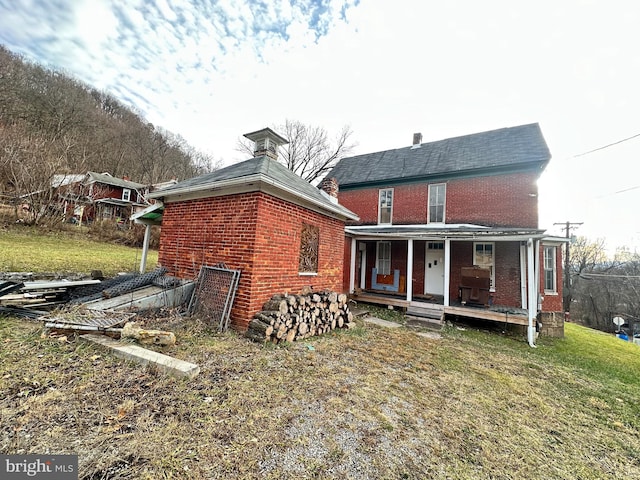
{"type": "Point", "coordinates": [494, 313]}
{"type": "Point", "coordinates": [424, 267]}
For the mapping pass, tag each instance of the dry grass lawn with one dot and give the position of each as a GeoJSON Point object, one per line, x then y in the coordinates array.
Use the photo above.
{"type": "Point", "coordinates": [369, 403]}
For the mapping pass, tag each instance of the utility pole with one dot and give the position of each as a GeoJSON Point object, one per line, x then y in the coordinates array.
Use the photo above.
{"type": "Point", "coordinates": [566, 295]}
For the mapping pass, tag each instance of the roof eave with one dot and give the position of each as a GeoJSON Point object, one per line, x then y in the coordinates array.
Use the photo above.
{"type": "Point", "coordinates": [450, 175]}
{"type": "Point", "coordinates": [205, 190]}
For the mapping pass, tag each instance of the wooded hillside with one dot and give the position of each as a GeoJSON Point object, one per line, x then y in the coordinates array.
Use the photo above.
{"type": "Point", "coordinates": [51, 123]}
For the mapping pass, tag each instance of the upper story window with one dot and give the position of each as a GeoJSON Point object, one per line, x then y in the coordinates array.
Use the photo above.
{"type": "Point", "coordinates": [437, 196]}
{"type": "Point", "coordinates": [126, 194]}
{"type": "Point", "coordinates": [550, 282]}
{"type": "Point", "coordinates": [385, 205]}
{"type": "Point", "coordinates": [484, 257]}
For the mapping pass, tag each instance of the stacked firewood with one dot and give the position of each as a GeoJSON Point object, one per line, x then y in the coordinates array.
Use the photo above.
{"type": "Point", "coordinates": [287, 318]}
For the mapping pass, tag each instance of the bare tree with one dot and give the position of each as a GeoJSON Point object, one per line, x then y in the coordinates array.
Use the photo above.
{"type": "Point", "coordinates": [30, 162]}
{"type": "Point", "coordinates": [74, 128]}
{"type": "Point", "coordinates": [602, 288]}
{"type": "Point", "coordinates": [310, 153]}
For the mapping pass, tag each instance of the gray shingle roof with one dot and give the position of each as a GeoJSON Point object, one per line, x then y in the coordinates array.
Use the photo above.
{"type": "Point", "coordinates": [511, 148]}
{"type": "Point", "coordinates": [267, 170]}
{"type": "Point", "coordinates": [107, 179]}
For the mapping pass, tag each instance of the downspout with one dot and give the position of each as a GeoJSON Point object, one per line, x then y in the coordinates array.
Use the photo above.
{"type": "Point", "coordinates": [532, 303]}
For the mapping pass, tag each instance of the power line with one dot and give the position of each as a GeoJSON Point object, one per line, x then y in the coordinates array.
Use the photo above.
{"type": "Point", "coordinates": [607, 146]}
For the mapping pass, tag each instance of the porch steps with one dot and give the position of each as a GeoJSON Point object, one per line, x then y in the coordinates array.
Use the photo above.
{"type": "Point", "coordinates": [431, 317]}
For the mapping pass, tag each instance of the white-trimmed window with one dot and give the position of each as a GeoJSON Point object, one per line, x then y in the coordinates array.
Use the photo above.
{"type": "Point", "coordinates": [126, 194]}
{"type": "Point", "coordinates": [550, 276]}
{"type": "Point", "coordinates": [383, 258]}
{"type": "Point", "coordinates": [437, 198]}
{"type": "Point", "coordinates": [385, 205]}
{"type": "Point", "coordinates": [484, 257]}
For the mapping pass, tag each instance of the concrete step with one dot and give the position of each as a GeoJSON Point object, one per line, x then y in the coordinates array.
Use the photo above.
{"type": "Point", "coordinates": [425, 312]}
{"type": "Point", "coordinates": [359, 312]}
{"type": "Point", "coordinates": [423, 322]}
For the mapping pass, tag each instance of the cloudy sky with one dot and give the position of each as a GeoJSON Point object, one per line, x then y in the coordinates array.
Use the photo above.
{"type": "Point", "coordinates": [212, 70]}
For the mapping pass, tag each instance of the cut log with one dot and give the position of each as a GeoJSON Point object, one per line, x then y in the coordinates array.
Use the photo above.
{"type": "Point", "coordinates": [291, 335]}
{"type": "Point", "coordinates": [266, 317]}
{"type": "Point", "coordinates": [278, 304]}
{"type": "Point", "coordinates": [260, 327]}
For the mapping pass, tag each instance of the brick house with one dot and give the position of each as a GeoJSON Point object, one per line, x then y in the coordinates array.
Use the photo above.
{"type": "Point", "coordinates": [258, 217]}
{"type": "Point", "coordinates": [435, 216]}
{"type": "Point", "coordinates": [98, 196]}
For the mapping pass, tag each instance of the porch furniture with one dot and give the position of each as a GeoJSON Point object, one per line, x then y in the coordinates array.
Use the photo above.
{"type": "Point", "coordinates": [387, 283]}
{"type": "Point", "coordinates": [475, 285]}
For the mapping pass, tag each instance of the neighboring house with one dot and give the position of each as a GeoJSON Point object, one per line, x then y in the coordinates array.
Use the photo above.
{"type": "Point", "coordinates": [431, 212]}
{"type": "Point", "coordinates": [99, 196]}
{"type": "Point", "coordinates": [258, 217]}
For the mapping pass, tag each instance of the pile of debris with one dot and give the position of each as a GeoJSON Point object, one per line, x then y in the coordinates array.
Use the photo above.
{"type": "Point", "coordinates": [35, 298]}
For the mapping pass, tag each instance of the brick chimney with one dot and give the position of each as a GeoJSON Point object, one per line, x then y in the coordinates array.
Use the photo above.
{"type": "Point", "coordinates": [417, 140]}
{"type": "Point", "coordinates": [266, 142]}
{"type": "Point", "coordinates": [330, 187]}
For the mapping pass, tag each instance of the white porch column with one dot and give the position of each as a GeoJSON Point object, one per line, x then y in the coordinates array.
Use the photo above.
{"type": "Point", "coordinates": [523, 276]}
{"type": "Point", "coordinates": [537, 271]}
{"type": "Point", "coordinates": [532, 304]}
{"type": "Point", "coordinates": [409, 281]}
{"type": "Point", "coordinates": [145, 247]}
{"type": "Point", "coordinates": [352, 266]}
{"type": "Point", "coordinates": [363, 267]}
{"type": "Point", "coordinates": [447, 270]}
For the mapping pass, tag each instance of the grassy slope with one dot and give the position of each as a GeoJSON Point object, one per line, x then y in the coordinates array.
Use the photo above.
{"type": "Point", "coordinates": [367, 403]}
{"type": "Point", "coordinates": [28, 249]}
{"type": "Point", "coordinates": [371, 403]}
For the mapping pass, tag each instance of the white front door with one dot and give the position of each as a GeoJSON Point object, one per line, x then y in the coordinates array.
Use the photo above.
{"type": "Point", "coordinates": [434, 269]}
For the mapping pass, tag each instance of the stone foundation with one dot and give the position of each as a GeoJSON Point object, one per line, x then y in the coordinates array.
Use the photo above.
{"type": "Point", "coordinates": [552, 324]}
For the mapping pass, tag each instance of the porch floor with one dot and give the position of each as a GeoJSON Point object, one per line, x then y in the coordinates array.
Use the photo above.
{"type": "Point", "coordinates": [495, 313]}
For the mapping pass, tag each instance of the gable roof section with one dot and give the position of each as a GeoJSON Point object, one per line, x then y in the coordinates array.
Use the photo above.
{"type": "Point", "coordinates": [108, 179]}
{"type": "Point", "coordinates": [259, 173]}
{"type": "Point", "coordinates": [496, 151]}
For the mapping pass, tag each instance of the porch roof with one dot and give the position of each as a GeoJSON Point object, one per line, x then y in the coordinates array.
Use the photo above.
{"type": "Point", "coordinates": [118, 203]}
{"type": "Point", "coordinates": [458, 231]}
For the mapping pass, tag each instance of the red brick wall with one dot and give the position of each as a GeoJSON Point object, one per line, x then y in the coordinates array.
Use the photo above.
{"type": "Point", "coordinates": [507, 275]}
{"type": "Point", "coordinates": [419, 250]}
{"type": "Point", "coordinates": [504, 200]}
{"type": "Point", "coordinates": [501, 201]}
{"type": "Point", "coordinates": [255, 233]}
{"type": "Point", "coordinates": [347, 266]}
{"type": "Point", "coordinates": [362, 202]}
